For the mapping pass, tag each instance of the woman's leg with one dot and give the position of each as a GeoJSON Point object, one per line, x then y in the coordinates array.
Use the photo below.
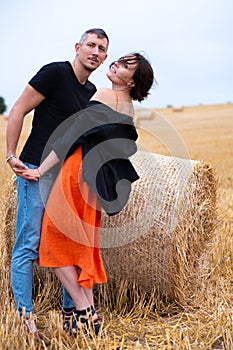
{"type": "Point", "coordinates": [68, 275]}
{"type": "Point", "coordinates": [88, 291]}
{"type": "Point", "coordinates": [82, 297]}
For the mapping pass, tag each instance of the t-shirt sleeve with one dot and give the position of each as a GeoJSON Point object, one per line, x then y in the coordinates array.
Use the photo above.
{"type": "Point", "coordinates": [46, 79]}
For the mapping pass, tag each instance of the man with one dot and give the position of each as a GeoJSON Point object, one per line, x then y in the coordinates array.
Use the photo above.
{"type": "Point", "coordinates": [57, 91]}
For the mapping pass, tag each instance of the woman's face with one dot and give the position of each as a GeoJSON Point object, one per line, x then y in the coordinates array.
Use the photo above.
{"type": "Point", "coordinates": [121, 72]}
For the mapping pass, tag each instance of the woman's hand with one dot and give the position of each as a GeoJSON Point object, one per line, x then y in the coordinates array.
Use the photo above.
{"type": "Point", "coordinates": [31, 174]}
{"type": "Point", "coordinates": [35, 174]}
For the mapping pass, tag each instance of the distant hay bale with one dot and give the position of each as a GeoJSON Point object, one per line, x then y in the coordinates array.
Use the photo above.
{"type": "Point", "coordinates": [147, 114]}
{"type": "Point", "coordinates": [142, 115]}
{"type": "Point", "coordinates": [177, 108]}
{"type": "Point", "coordinates": [157, 239]}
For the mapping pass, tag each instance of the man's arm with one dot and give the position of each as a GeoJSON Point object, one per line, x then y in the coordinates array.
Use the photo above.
{"type": "Point", "coordinates": [29, 99]}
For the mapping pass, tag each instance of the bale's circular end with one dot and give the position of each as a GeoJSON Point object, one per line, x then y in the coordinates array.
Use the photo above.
{"type": "Point", "coordinates": [156, 240]}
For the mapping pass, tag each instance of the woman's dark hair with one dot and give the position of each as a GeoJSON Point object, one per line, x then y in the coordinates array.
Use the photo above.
{"type": "Point", "coordinates": [143, 76]}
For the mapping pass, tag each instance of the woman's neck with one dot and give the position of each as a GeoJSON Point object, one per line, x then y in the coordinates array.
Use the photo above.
{"type": "Point", "coordinates": [124, 100]}
{"type": "Point", "coordinates": [120, 88]}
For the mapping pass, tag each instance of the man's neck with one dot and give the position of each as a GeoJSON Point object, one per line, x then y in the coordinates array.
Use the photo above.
{"type": "Point", "coordinates": [81, 73]}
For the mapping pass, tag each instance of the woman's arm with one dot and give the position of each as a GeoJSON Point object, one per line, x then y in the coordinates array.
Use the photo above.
{"type": "Point", "coordinates": [49, 162]}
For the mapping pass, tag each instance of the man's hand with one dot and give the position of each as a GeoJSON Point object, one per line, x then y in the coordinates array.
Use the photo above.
{"type": "Point", "coordinates": [19, 169]}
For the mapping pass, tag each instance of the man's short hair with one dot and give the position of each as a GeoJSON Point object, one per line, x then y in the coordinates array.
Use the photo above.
{"type": "Point", "coordinates": [98, 31]}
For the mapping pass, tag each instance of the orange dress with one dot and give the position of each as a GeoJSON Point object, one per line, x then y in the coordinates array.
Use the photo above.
{"type": "Point", "coordinates": [70, 233]}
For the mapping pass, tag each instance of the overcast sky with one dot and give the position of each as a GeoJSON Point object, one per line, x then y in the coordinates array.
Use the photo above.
{"type": "Point", "coordinates": [189, 43]}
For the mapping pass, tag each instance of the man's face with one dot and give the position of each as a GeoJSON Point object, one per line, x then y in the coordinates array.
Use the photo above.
{"type": "Point", "coordinates": [92, 52]}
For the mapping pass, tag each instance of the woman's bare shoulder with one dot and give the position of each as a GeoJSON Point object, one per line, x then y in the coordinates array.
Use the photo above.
{"type": "Point", "coordinates": [103, 95]}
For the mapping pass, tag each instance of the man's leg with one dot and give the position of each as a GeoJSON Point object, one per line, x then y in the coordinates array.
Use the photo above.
{"type": "Point", "coordinates": [67, 302]}
{"type": "Point", "coordinates": [32, 197]}
{"type": "Point", "coordinates": [25, 251]}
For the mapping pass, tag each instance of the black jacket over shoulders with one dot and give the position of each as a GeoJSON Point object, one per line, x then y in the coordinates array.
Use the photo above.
{"type": "Point", "coordinates": [108, 139]}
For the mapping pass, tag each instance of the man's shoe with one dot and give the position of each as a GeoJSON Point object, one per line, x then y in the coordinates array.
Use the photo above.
{"type": "Point", "coordinates": [31, 328]}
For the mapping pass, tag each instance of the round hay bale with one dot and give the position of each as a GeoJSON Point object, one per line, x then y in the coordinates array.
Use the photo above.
{"type": "Point", "coordinates": [156, 240]}
{"type": "Point", "coordinates": [145, 114]}
{"type": "Point", "coordinates": [177, 108]}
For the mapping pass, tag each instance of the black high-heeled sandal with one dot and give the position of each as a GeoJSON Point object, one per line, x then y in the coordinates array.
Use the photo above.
{"type": "Point", "coordinates": [67, 319]}
{"type": "Point", "coordinates": [97, 322]}
{"type": "Point", "coordinates": [86, 322]}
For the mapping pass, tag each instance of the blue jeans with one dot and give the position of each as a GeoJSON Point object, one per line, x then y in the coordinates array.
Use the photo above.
{"type": "Point", "coordinates": [28, 225]}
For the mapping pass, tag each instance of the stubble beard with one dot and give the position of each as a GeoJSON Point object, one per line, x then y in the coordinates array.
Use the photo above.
{"type": "Point", "coordinates": [89, 69]}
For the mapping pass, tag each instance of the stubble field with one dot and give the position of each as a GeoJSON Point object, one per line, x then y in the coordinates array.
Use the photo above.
{"type": "Point", "coordinates": [134, 320]}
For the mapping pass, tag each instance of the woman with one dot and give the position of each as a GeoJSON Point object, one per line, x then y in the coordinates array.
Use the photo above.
{"type": "Point", "coordinates": [70, 236]}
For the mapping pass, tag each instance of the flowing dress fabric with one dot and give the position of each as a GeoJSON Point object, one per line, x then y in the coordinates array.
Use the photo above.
{"type": "Point", "coordinates": [70, 232]}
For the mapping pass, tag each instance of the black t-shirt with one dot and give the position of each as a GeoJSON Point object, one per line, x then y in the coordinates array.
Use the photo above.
{"type": "Point", "coordinates": [64, 96]}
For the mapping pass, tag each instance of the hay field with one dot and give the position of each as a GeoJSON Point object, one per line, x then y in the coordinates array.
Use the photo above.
{"type": "Point", "coordinates": [134, 320]}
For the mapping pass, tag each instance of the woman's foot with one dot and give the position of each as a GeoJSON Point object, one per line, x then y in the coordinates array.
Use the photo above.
{"type": "Point", "coordinates": [96, 321]}
{"type": "Point", "coordinates": [84, 320]}
{"type": "Point", "coordinates": [68, 315]}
